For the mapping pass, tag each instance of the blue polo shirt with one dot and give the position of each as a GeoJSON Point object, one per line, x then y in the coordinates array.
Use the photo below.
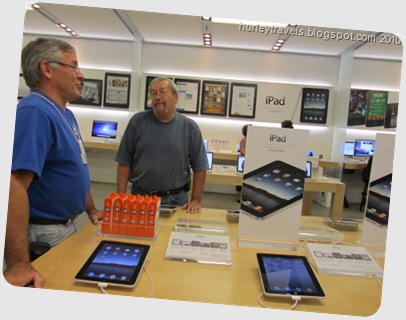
{"type": "Point", "coordinates": [46, 144]}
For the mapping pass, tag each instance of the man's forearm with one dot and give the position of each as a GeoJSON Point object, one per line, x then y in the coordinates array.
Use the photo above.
{"type": "Point", "coordinates": [123, 173]}
{"type": "Point", "coordinates": [199, 179]}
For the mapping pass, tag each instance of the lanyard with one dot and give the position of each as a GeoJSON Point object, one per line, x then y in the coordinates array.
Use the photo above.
{"type": "Point", "coordinates": [72, 128]}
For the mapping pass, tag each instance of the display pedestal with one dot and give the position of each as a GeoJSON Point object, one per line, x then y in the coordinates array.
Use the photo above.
{"type": "Point", "coordinates": [375, 227]}
{"type": "Point", "coordinates": [273, 188]}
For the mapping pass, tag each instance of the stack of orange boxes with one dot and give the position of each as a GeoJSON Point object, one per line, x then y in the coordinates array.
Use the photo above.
{"type": "Point", "coordinates": [130, 215]}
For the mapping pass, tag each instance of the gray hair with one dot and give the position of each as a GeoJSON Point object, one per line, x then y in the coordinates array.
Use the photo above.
{"type": "Point", "coordinates": [172, 86]}
{"type": "Point", "coordinates": [38, 50]}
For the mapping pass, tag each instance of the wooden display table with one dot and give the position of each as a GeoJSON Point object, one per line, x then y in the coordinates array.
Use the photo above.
{"type": "Point", "coordinates": [236, 285]}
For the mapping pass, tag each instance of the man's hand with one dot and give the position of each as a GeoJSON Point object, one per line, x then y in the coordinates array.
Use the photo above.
{"type": "Point", "coordinates": [23, 274]}
{"type": "Point", "coordinates": [193, 206]}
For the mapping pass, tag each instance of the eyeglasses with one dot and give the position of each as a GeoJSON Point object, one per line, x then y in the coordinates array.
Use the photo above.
{"type": "Point", "coordinates": [75, 68]}
{"type": "Point", "coordinates": [161, 93]}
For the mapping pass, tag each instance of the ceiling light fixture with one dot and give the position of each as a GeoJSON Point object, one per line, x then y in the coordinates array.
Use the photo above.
{"type": "Point", "coordinates": [206, 29]}
{"type": "Point", "coordinates": [281, 41]}
{"type": "Point", "coordinates": [53, 19]}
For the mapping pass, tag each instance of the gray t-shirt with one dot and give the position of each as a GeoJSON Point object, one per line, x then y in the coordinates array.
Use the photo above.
{"type": "Point", "coordinates": [160, 155]}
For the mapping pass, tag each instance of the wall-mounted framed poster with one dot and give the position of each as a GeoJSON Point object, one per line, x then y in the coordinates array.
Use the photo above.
{"type": "Point", "coordinates": [243, 98]}
{"type": "Point", "coordinates": [214, 98]}
{"type": "Point", "coordinates": [91, 93]}
{"type": "Point", "coordinates": [188, 95]}
{"type": "Point", "coordinates": [117, 90]}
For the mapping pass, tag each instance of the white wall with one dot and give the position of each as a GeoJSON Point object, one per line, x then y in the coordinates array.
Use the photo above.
{"type": "Point", "coordinates": [97, 57]}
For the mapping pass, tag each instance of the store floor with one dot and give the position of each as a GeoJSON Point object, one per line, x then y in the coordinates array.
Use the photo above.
{"type": "Point", "coordinates": [224, 201]}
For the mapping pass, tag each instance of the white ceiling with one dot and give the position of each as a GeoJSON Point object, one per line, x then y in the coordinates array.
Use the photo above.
{"type": "Point", "coordinates": [103, 23]}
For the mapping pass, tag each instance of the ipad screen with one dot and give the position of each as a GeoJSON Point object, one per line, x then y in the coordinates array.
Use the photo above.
{"type": "Point", "coordinates": [115, 263]}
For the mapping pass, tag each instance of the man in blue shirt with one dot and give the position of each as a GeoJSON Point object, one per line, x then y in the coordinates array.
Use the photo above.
{"type": "Point", "coordinates": [49, 184]}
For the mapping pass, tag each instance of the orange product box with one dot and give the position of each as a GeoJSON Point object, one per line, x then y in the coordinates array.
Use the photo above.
{"type": "Point", "coordinates": [152, 216]}
{"type": "Point", "coordinates": [117, 207]}
{"type": "Point", "coordinates": [125, 214]}
{"type": "Point", "coordinates": [107, 212]}
{"type": "Point", "coordinates": [142, 216]}
{"type": "Point", "coordinates": [133, 218]}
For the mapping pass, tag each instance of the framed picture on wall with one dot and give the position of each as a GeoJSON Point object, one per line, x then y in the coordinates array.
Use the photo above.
{"type": "Point", "coordinates": [243, 98]}
{"type": "Point", "coordinates": [117, 90]}
{"type": "Point", "coordinates": [188, 95]}
{"type": "Point", "coordinates": [314, 105]}
{"type": "Point", "coordinates": [214, 98]}
{"type": "Point", "coordinates": [91, 93]}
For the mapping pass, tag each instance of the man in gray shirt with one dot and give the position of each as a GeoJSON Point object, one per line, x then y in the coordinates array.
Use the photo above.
{"type": "Point", "coordinates": [159, 149]}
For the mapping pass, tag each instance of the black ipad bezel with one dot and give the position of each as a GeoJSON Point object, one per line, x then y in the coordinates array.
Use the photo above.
{"type": "Point", "coordinates": [136, 270]}
{"type": "Point", "coordinates": [382, 201]}
{"type": "Point", "coordinates": [266, 286]}
{"type": "Point", "coordinates": [270, 166]}
{"type": "Point", "coordinates": [384, 179]}
{"type": "Point", "coordinates": [325, 109]}
{"type": "Point", "coordinates": [383, 198]}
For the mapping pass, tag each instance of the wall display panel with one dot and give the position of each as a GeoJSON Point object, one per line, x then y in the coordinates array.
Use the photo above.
{"type": "Point", "coordinates": [188, 95]}
{"type": "Point", "coordinates": [117, 90]}
{"type": "Point", "coordinates": [357, 107]}
{"type": "Point", "coordinates": [214, 98]}
{"type": "Point", "coordinates": [391, 115]}
{"type": "Point", "coordinates": [277, 102]}
{"type": "Point", "coordinates": [91, 93]}
{"type": "Point", "coordinates": [377, 101]}
{"type": "Point", "coordinates": [243, 100]}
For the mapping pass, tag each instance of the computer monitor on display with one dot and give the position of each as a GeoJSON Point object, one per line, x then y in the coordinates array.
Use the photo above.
{"type": "Point", "coordinates": [364, 148]}
{"type": "Point", "coordinates": [104, 129]}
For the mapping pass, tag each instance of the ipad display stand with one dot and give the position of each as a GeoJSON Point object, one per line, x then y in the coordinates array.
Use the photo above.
{"type": "Point", "coordinates": [130, 216]}
{"type": "Point", "coordinates": [271, 207]}
{"type": "Point", "coordinates": [374, 234]}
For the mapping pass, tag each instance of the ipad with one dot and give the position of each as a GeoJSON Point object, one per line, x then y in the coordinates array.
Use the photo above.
{"type": "Point", "coordinates": [288, 275]}
{"type": "Point", "coordinates": [114, 263]}
{"type": "Point", "coordinates": [314, 105]}
{"type": "Point", "coordinates": [271, 188]}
